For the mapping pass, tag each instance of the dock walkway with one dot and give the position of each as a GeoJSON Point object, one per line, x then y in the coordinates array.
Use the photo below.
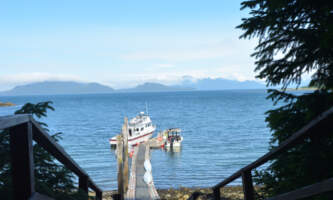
{"type": "Point", "coordinates": [141, 189]}
{"type": "Point", "coordinates": [138, 188]}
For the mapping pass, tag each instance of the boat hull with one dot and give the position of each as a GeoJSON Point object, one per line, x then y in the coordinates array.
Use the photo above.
{"type": "Point", "coordinates": [134, 140]}
{"type": "Point", "coordinates": [175, 143]}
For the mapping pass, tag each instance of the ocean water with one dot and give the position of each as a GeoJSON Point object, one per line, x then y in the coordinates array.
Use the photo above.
{"type": "Point", "coordinates": [223, 131]}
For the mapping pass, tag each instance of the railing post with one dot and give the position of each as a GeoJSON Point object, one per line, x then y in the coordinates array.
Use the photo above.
{"type": "Point", "coordinates": [120, 155]}
{"type": "Point", "coordinates": [83, 184]}
{"type": "Point", "coordinates": [99, 195]}
{"type": "Point", "coordinates": [22, 161]}
{"type": "Point", "coordinates": [247, 185]}
{"type": "Point", "coordinates": [217, 193]}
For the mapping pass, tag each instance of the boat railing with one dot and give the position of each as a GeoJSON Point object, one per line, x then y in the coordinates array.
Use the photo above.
{"type": "Point", "coordinates": [319, 127]}
{"type": "Point", "coordinates": [23, 129]}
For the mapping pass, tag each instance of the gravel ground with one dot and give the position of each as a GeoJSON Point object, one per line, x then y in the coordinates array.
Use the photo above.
{"type": "Point", "coordinates": [228, 193]}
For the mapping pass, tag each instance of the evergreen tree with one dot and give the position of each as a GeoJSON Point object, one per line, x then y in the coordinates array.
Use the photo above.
{"type": "Point", "coordinates": [295, 37]}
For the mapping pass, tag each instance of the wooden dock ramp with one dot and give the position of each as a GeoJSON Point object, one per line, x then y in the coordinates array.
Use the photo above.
{"type": "Point", "coordinates": [138, 188]}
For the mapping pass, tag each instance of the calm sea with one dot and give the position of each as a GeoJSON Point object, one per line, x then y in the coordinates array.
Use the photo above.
{"type": "Point", "coordinates": [223, 131]}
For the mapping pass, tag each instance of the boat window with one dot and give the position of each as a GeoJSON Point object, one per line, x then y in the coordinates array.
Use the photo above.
{"type": "Point", "coordinates": [130, 132]}
{"type": "Point", "coordinates": [142, 129]}
{"type": "Point", "coordinates": [137, 129]}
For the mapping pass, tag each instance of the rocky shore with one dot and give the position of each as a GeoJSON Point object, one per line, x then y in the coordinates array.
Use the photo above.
{"type": "Point", "coordinates": [228, 193]}
{"type": "Point", "coordinates": [6, 104]}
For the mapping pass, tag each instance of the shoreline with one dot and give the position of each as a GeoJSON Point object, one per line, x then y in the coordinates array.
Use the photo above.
{"type": "Point", "coordinates": [183, 193]}
{"type": "Point", "coordinates": [302, 89]}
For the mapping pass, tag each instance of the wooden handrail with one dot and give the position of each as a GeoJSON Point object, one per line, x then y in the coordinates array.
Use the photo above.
{"type": "Point", "coordinates": [322, 120]}
{"type": "Point", "coordinates": [48, 143]}
{"type": "Point", "coordinates": [37, 196]}
{"type": "Point", "coordinates": [307, 191]}
{"type": "Point", "coordinates": [23, 129]}
{"type": "Point", "coordinates": [13, 120]}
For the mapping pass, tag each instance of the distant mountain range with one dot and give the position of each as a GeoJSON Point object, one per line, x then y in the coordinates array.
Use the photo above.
{"type": "Point", "coordinates": [70, 87]}
{"type": "Point", "coordinates": [155, 87]}
{"type": "Point", "coordinates": [58, 87]}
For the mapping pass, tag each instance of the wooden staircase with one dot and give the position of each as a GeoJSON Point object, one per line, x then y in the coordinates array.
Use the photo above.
{"type": "Point", "coordinates": [23, 130]}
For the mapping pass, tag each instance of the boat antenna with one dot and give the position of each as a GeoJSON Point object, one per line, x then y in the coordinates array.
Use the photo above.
{"type": "Point", "coordinates": [146, 108]}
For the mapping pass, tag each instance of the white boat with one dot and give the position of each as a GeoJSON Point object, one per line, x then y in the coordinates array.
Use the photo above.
{"type": "Point", "coordinates": [140, 129]}
{"type": "Point", "coordinates": [172, 138]}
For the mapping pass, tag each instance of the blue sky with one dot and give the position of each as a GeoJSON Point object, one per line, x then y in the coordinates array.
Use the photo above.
{"type": "Point", "coordinates": [122, 43]}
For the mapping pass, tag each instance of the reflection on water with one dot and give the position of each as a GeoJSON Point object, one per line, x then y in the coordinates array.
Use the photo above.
{"type": "Point", "coordinates": [170, 151]}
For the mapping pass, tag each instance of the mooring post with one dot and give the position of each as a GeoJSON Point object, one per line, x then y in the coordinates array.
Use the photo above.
{"type": "Point", "coordinates": [99, 195]}
{"type": "Point", "coordinates": [217, 193]}
{"type": "Point", "coordinates": [125, 158]}
{"type": "Point", "coordinates": [120, 166]}
{"type": "Point", "coordinates": [247, 185]}
{"type": "Point", "coordinates": [83, 184]}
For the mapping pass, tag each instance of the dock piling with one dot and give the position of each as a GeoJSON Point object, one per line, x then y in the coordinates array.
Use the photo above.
{"type": "Point", "coordinates": [125, 149]}
{"type": "Point", "coordinates": [120, 166]}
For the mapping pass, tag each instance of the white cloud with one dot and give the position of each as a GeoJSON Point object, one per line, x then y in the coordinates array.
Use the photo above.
{"type": "Point", "coordinates": [175, 77]}
{"type": "Point", "coordinates": [236, 72]}
{"type": "Point", "coordinates": [38, 76]}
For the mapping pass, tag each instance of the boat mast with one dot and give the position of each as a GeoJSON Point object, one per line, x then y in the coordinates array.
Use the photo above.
{"type": "Point", "coordinates": [146, 108]}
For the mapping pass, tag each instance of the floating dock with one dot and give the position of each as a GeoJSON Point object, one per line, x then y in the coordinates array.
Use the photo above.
{"type": "Point", "coordinates": [140, 184]}
{"type": "Point", "coordinates": [156, 142]}
{"type": "Point", "coordinates": [167, 138]}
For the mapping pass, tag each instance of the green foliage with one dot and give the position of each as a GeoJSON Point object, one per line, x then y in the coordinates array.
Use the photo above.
{"type": "Point", "coordinates": [295, 37]}
{"type": "Point", "coordinates": [52, 179]}
{"type": "Point", "coordinates": [311, 160]}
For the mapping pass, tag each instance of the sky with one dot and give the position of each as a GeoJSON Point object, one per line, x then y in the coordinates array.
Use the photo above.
{"type": "Point", "coordinates": [122, 43]}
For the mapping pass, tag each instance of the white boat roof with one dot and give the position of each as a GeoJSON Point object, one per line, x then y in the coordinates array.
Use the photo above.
{"type": "Point", "coordinates": [178, 130]}
{"type": "Point", "coordinates": [140, 119]}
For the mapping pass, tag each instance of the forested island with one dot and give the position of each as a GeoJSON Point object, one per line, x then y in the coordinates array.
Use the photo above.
{"type": "Point", "coordinates": [5, 104]}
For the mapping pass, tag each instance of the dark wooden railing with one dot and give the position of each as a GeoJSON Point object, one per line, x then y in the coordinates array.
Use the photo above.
{"type": "Point", "coordinates": [23, 130]}
{"type": "Point", "coordinates": [322, 123]}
